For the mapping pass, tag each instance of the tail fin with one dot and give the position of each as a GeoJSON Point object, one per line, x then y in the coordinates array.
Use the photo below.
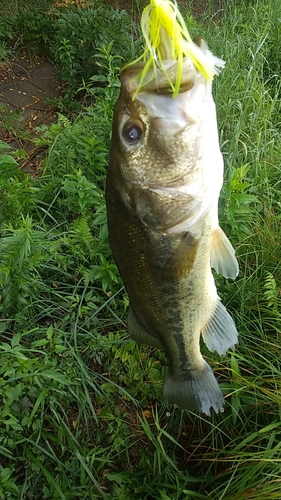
{"type": "Point", "coordinates": [194, 390]}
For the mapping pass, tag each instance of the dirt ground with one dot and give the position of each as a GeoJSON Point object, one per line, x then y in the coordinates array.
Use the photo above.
{"type": "Point", "coordinates": [26, 90]}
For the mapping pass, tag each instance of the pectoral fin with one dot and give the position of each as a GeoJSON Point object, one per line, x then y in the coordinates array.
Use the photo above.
{"type": "Point", "coordinates": [223, 258]}
{"type": "Point", "coordinates": [182, 261]}
{"type": "Point", "coordinates": [220, 333]}
{"type": "Point", "coordinates": [138, 333]}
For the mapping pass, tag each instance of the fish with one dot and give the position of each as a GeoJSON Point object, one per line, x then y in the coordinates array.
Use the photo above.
{"type": "Point", "coordinates": [163, 184]}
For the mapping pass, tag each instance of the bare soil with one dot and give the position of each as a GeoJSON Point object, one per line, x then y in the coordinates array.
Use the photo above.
{"type": "Point", "coordinates": [25, 91]}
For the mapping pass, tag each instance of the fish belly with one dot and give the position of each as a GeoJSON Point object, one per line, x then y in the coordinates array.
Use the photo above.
{"type": "Point", "coordinates": [173, 300]}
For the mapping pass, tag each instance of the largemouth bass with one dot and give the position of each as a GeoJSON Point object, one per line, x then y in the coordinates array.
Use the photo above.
{"type": "Point", "coordinates": [163, 184]}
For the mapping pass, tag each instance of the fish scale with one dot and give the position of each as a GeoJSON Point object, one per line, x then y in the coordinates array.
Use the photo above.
{"type": "Point", "coordinates": [163, 183]}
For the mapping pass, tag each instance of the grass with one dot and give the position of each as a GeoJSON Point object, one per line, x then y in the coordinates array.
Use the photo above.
{"type": "Point", "coordinates": [81, 413]}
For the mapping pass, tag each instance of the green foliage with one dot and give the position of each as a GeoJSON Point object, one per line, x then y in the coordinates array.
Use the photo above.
{"type": "Point", "coordinates": [80, 416]}
{"type": "Point", "coordinates": [11, 121]}
{"type": "Point", "coordinates": [17, 6]}
{"type": "Point", "coordinates": [128, 366]}
{"type": "Point", "coordinates": [17, 194]}
{"type": "Point", "coordinates": [37, 383]}
{"type": "Point", "coordinates": [238, 201]}
{"type": "Point", "coordinates": [7, 163]}
{"type": "Point", "coordinates": [72, 38]}
{"type": "Point", "coordinates": [81, 145]}
{"type": "Point", "coordinates": [271, 292]}
{"type": "Point", "coordinates": [5, 52]}
{"type": "Point", "coordinates": [78, 35]}
{"type": "Point", "coordinates": [21, 252]}
{"type": "Point", "coordinates": [109, 79]}
{"type": "Point", "coordinates": [6, 28]}
{"type": "Point", "coordinates": [81, 194]}
{"type": "Point", "coordinates": [32, 29]}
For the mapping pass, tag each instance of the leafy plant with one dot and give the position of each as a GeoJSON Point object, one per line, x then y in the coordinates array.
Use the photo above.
{"type": "Point", "coordinates": [16, 191]}
{"type": "Point", "coordinates": [238, 202]}
{"type": "Point", "coordinates": [81, 414]}
{"type": "Point", "coordinates": [271, 292]}
{"type": "Point", "coordinates": [82, 194]}
{"type": "Point", "coordinates": [79, 34]}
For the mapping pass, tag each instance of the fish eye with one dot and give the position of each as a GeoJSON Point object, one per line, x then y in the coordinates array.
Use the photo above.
{"type": "Point", "coordinates": [132, 132]}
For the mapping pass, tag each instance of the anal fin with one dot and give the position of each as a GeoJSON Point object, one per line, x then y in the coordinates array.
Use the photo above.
{"type": "Point", "coordinates": [220, 333]}
{"type": "Point", "coordinates": [138, 333]}
{"type": "Point", "coordinates": [223, 258]}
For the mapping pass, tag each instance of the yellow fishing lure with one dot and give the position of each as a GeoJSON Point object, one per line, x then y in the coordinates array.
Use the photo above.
{"type": "Point", "coordinates": [167, 38]}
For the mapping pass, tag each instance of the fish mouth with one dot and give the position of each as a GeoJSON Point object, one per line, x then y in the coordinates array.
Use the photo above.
{"type": "Point", "coordinates": [162, 77]}
{"type": "Point", "coordinates": [167, 115]}
{"type": "Point", "coordinates": [158, 80]}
